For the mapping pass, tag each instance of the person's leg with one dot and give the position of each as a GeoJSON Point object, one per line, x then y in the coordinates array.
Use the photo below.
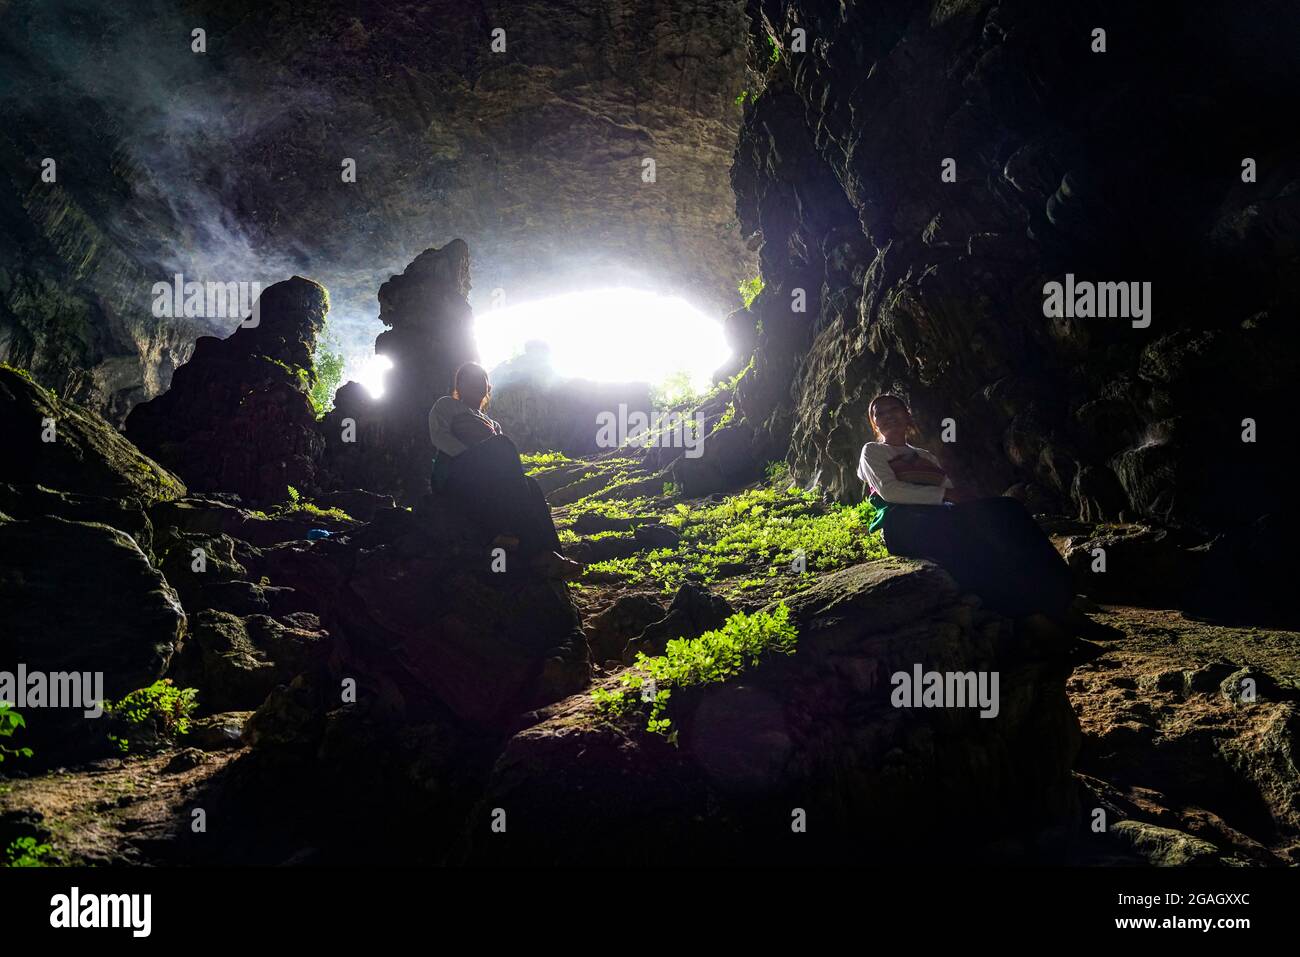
{"type": "Point", "coordinates": [489, 478]}
{"type": "Point", "coordinates": [541, 524]}
{"type": "Point", "coordinates": [922, 531]}
{"type": "Point", "coordinates": [1021, 572]}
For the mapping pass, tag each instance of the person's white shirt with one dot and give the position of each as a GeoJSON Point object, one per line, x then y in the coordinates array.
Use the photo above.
{"type": "Point", "coordinates": [441, 420]}
{"type": "Point", "coordinates": [875, 470]}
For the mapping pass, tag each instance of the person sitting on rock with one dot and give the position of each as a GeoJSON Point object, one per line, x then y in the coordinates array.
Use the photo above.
{"type": "Point", "coordinates": [990, 546]}
{"type": "Point", "coordinates": [477, 464]}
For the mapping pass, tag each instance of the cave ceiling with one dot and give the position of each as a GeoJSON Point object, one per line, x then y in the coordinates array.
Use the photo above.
{"type": "Point", "coordinates": [229, 164]}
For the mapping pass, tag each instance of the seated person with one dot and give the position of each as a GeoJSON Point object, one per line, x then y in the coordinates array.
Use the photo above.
{"type": "Point", "coordinates": [477, 464]}
{"type": "Point", "coordinates": [990, 546]}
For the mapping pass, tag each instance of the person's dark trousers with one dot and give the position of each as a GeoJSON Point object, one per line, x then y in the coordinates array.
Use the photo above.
{"type": "Point", "coordinates": [992, 547]}
{"type": "Point", "coordinates": [489, 479]}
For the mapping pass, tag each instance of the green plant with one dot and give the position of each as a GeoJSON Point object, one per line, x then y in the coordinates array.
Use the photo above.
{"type": "Point", "coordinates": [778, 473]}
{"type": "Point", "coordinates": [535, 462]}
{"type": "Point", "coordinates": [297, 503]}
{"type": "Point", "coordinates": [675, 390]}
{"type": "Point", "coordinates": [11, 721]}
{"type": "Point", "coordinates": [327, 369]}
{"type": "Point", "coordinates": [715, 656]}
{"type": "Point", "coordinates": [27, 852]}
{"type": "Point", "coordinates": [22, 372]}
{"type": "Point", "coordinates": [744, 96]}
{"type": "Point", "coordinates": [774, 49]}
{"type": "Point", "coordinates": [300, 374]}
{"type": "Point", "coordinates": [727, 415]}
{"type": "Point", "coordinates": [749, 290]}
{"type": "Point", "coordinates": [758, 532]}
{"type": "Point", "coordinates": [672, 490]}
{"type": "Point", "coordinates": [148, 716]}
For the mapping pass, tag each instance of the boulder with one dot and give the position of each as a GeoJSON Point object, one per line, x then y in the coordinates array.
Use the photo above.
{"type": "Point", "coordinates": [425, 627]}
{"type": "Point", "coordinates": [82, 597]}
{"type": "Point", "coordinates": [1165, 846]}
{"type": "Point", "coordinates": [218, 732]}
{"type": "Point", "coordinates": [237, 417]}
{"type": "Point", "coordinates": [609, 631]}
{"type": "Point", "coordinates": [236, 661]}
{"type": "Point", "coordinates": [693, 610]}
{"type": "Point", "coordinates": [816, 737]}
{"type": "Point", "coordinates": [1143, 563]}
{"type": "Point", "coordinates": [86, 472]}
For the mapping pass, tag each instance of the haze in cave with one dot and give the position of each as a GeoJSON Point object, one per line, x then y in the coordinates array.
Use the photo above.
{"type": "Point", "coordinates": [758, 433]}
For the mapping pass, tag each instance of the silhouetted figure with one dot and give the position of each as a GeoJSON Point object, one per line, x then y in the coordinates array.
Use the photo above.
{"type": "Point", "coordinates": [990, 546]}
{"type": "Point", "coordinates": [478, 465]}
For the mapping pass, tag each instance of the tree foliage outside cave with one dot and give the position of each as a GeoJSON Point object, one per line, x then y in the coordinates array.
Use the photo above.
{"type": "Point", "coordinates": [328, 366]}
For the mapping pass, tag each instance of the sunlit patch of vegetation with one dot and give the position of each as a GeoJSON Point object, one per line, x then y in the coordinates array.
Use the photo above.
{"type": "Point", "coordinates": [749, 290]}
{"type": "Point", "coordinates": [598, 536]}
{"type": "Point", "coordinates": [624, 568]}
{"type": "Point", "coordinates": [749, 539]}
{"type": "Point", "coordinates": [157, 714]}
{"type": "Point", "coordinates": [727, 385]}
{"type": "Point", "coordinates": [715, 656]}
{"type": "Point", "coordinates": [22, 372]}
{"type": "Point", "coordinates": [303, 376]}
{"type": "Point", "coordinates": [778, 473]}
{"type": "Point", "coordinates": [27, 852]}
{"type": "Point", "coordinates": [535, 462]}
{"type": "Point", "coordinates": [297, 503]}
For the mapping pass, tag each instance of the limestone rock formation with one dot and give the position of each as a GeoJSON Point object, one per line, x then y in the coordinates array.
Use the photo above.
{"type": "Point", "coordinates": [1064, 161]}
{"type": "Point", "coordinates": [238, 662]}
{"type": "Point", "coordinates": [816, 732]}
{"type": "Point", "coordinates": [81, 597]}
{"type": "Point", "coordinates": [56, 446]}
{"type": "Point", "coordinates": [426, 627]}
{"type": "Point", "coordinates": [386, 448]}
{"type": "Point", "coordinates": [237, 417]}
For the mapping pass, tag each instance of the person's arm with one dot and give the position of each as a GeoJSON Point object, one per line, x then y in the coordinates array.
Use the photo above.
{"type": "Point", "coordinates": [873, 466]}
{"type": "Point", "coordinates": [440, 431]}
{"type": "Point", "coordinates": [470, 429]}
{"type": "Point", "coordinates": [951, 492]}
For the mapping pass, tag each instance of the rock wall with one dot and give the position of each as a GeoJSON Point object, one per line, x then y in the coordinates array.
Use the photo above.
{"type": "Point", "coordinates": [1121, 166]}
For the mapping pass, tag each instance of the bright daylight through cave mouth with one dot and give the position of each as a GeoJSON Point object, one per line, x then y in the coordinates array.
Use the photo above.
{"type": "Point", "coordinates": [609, 335]}
{"type": "Point", "coordinates": [601, 335]}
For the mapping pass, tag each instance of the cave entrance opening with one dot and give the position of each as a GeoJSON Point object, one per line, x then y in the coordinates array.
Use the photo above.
{"type": "Point", "coordinates": [614, 334]}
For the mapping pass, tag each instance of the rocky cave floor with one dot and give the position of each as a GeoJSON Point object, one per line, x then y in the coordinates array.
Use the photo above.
{"type": "Point", "coordinates": [1195, 774]}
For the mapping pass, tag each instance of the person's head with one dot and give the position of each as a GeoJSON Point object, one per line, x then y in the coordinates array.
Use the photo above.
{"type": "Point", "coordinates": [471, 386]}
{"type": "Point", "coordinates": [890, 418]}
